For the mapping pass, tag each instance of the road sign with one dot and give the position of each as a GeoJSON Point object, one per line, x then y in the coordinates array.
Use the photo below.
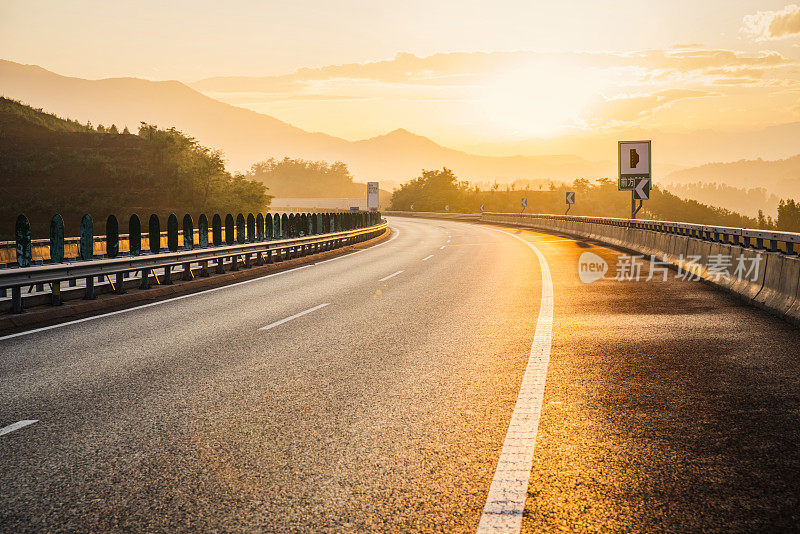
{"type": "Point", "coordinates": [482, 208]}
{"type": "Point", "coordinates": [571, 197]}
{"type": "Point", "coordinates": [634, 162]}
{"type": "Point", "coordinates": [373, 200]}
{"type": "Point", "coordinates": [447, 208]}
{"type": "Point", "coordinates": [642, 189]}
{"type": "Point", "coordinates": [412, 207]}
{"type": "Point", "coordinates": [525, 202]}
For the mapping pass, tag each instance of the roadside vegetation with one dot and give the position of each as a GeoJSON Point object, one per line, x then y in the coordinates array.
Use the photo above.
{"type": "Point", "coordinates": [50, 165]}
{"type": "Point", "coordinates": [433, 190]}
{"type": "Point", "coordinates": [299, 178]}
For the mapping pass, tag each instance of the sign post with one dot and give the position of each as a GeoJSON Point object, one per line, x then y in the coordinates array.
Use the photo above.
{"type": "Point", "coordinates": [373, 196]}
{"type": "Point", "coordinates": [635, 174]}
{"type": "Point", "coordinates": [570, 200]}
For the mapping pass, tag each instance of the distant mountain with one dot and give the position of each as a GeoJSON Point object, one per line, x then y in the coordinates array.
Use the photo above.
{"type": "Point", "coordinates": [247, 137]}
{"type": "Point", "coordinates": [672, 151]}
{"type": "Point", "coordinates": [781, 177]}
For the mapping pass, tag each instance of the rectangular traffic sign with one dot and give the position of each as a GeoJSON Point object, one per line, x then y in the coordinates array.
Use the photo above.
{"type": "Point", "coordinates": [642, 189]}
{"type": "Point", "coordinates": [626, 183]}
{"type": "Point", "coordinates": [373, 192]}
{"type": "Point", "coordinates": [634, 160]}
{"type": "Point", "coordinates": [570, 197]}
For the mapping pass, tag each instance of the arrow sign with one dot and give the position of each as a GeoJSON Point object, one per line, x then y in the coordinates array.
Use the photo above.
{"type": "Point", "coordinates": [412, 207]}
{"type": "Point", "coordinates": [482, 207]}
{"type": "Point", "coordinates": [642, 189]}
{"type": "Point", "coordinates": [571, 197]}
{"type": "Point", "coordinates": [525, 202]}
{"type": "Point", "coordinates": [447, 208]}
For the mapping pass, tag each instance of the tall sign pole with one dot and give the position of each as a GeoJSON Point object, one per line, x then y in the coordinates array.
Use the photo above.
{"type": "Point", "coordinates": [635, 173]}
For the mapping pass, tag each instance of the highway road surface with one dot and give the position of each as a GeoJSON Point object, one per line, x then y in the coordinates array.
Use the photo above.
{"type": "Point", "coordinates": [404, 388]}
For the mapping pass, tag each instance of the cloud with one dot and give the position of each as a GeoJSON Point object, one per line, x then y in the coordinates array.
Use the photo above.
{"type": "Point", "coordinates": [463, 69]}
{"type": "Point", "coordinates": [630, 109]}
{"type": "Point", "coordinates": [772, 25]}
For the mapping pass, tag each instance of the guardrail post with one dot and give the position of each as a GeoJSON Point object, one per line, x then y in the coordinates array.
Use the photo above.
{"type": "Point", "coordinates": [234, 263]}
{"type": "Point", "coordinates": [16, 299]}
{"type": "Point", "coordinates": [87, 252]}
{"type": "Point", "coordinates": [55, 294]}
{"type": "Point", "coordinates": [89, 293]}
{"type": "Point", "coordinates": [220, 266]}
{"type": "Point", "coordinates": [119, 287]}
{"type": "Point", "coordinates": [145, 279]}
{"type": "Point", "coordinates": [204, 268]}
{"type": "Point", "coordinates": [167, 279]}
{"type": "Point", "coordinates": [269, 257]}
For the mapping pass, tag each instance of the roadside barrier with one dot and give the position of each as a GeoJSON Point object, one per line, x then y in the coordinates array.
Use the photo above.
{"type": "Point", "coordinates": [114, 260]}
{"type": "Point", "coordinates": [774, 285]}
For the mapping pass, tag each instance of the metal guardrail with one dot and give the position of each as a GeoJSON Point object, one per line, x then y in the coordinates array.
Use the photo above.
{"type": "Point", "coordinates": [263, 251]}
{"type": "Point", "coordinates": [744, 237]}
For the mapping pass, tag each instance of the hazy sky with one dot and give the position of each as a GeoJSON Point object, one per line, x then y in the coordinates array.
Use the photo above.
{"type": "Point", "coordinates": [460, 72]}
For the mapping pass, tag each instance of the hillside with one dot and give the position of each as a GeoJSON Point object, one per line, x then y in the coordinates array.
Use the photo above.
{"type": "Point", "coordinates": [49, 165]}
{"type": "Point", "coordinates": [246, 137]}
{"type": "Point", "coordinates": [780, 177]}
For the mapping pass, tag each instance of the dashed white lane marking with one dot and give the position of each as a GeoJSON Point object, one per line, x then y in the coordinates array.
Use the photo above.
{"type": "Point", "coordinates": [173, 299]}
{"type": "Point", "coordinates": [391, 275]}
{"type": "Point", "coordinates": [506, 500]}
{"type": "Point", "coordinates": [295, 316]}
{"type": "Point", "coordinates": [441, 248]}
{"type": "Point", "coordinates": [426, 258]}
{"type": "Point", "coordinates": [16, 426]}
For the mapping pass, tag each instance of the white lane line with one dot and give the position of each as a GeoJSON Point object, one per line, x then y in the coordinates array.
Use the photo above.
{"type": "Point", "coordinates": [173, 299]}
{"type": "Point", "coordinates": [16, 426]}
{"type": "Point", "coordinates": [391, 275]}
{"type": "Point", "coordinates": [295, 316]}
{"type": "Point", "coordinates": [506, 500]}
{"type": "Point", "coordinates": [426, 258]}
{"type": "Point", "coordinates": [441, 248]}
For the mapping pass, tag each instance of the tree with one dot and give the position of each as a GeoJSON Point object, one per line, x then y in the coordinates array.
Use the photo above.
{"type": "Point", "coordinates": [113, 129]}
{"type": "Point", "coordinates": [434, 190]}
{"type": "Point", "coordinates": [301, 178]}
{"type": "Point", "coordinates": [789, 216]}
{"type": "Point", "coordinates": [101, 128]}
{"type": "Point", "coordinates": [126, 131]}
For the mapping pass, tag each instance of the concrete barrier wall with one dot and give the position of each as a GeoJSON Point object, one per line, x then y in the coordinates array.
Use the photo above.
{"type": "Point", "coordinates": [773, 286]}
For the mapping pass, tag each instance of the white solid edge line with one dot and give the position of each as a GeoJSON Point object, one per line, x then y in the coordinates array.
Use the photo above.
{"type": "Point", "coordinates": [295, 316]}
{"type": "Point", "coordinates": [391, 275]}
{"type": "Point", "coordinates": [16, 426]}
{"type": "Point", "coordinates": [173, 299]}
{"type": "Point", "coordinates": [427, 258]}
{"type": "Point", "coordinates": [505, 502]}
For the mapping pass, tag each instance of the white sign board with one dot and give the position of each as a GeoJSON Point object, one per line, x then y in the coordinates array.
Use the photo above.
{"type": "Point", "coordinates": [373, 193]}
{"type": "Point", "coordinates": [571, 197]}
{"type": "Point", "coordinates": [634, 162]}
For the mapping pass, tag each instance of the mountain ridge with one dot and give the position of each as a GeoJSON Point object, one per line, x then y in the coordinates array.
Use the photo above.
{"type": "Point", "coordinates": [247, 137]}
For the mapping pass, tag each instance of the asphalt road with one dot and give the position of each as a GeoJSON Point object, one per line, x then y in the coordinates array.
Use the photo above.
{"type": "Point", "coordinates": [667, 406]}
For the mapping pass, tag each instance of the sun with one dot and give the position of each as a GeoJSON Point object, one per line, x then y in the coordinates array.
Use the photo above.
{"type": "Point", "coordinates": [537, 100]}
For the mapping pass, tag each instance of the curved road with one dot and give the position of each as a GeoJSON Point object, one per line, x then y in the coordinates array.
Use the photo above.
{"type": "Point", "coordinates": [374, 391]}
